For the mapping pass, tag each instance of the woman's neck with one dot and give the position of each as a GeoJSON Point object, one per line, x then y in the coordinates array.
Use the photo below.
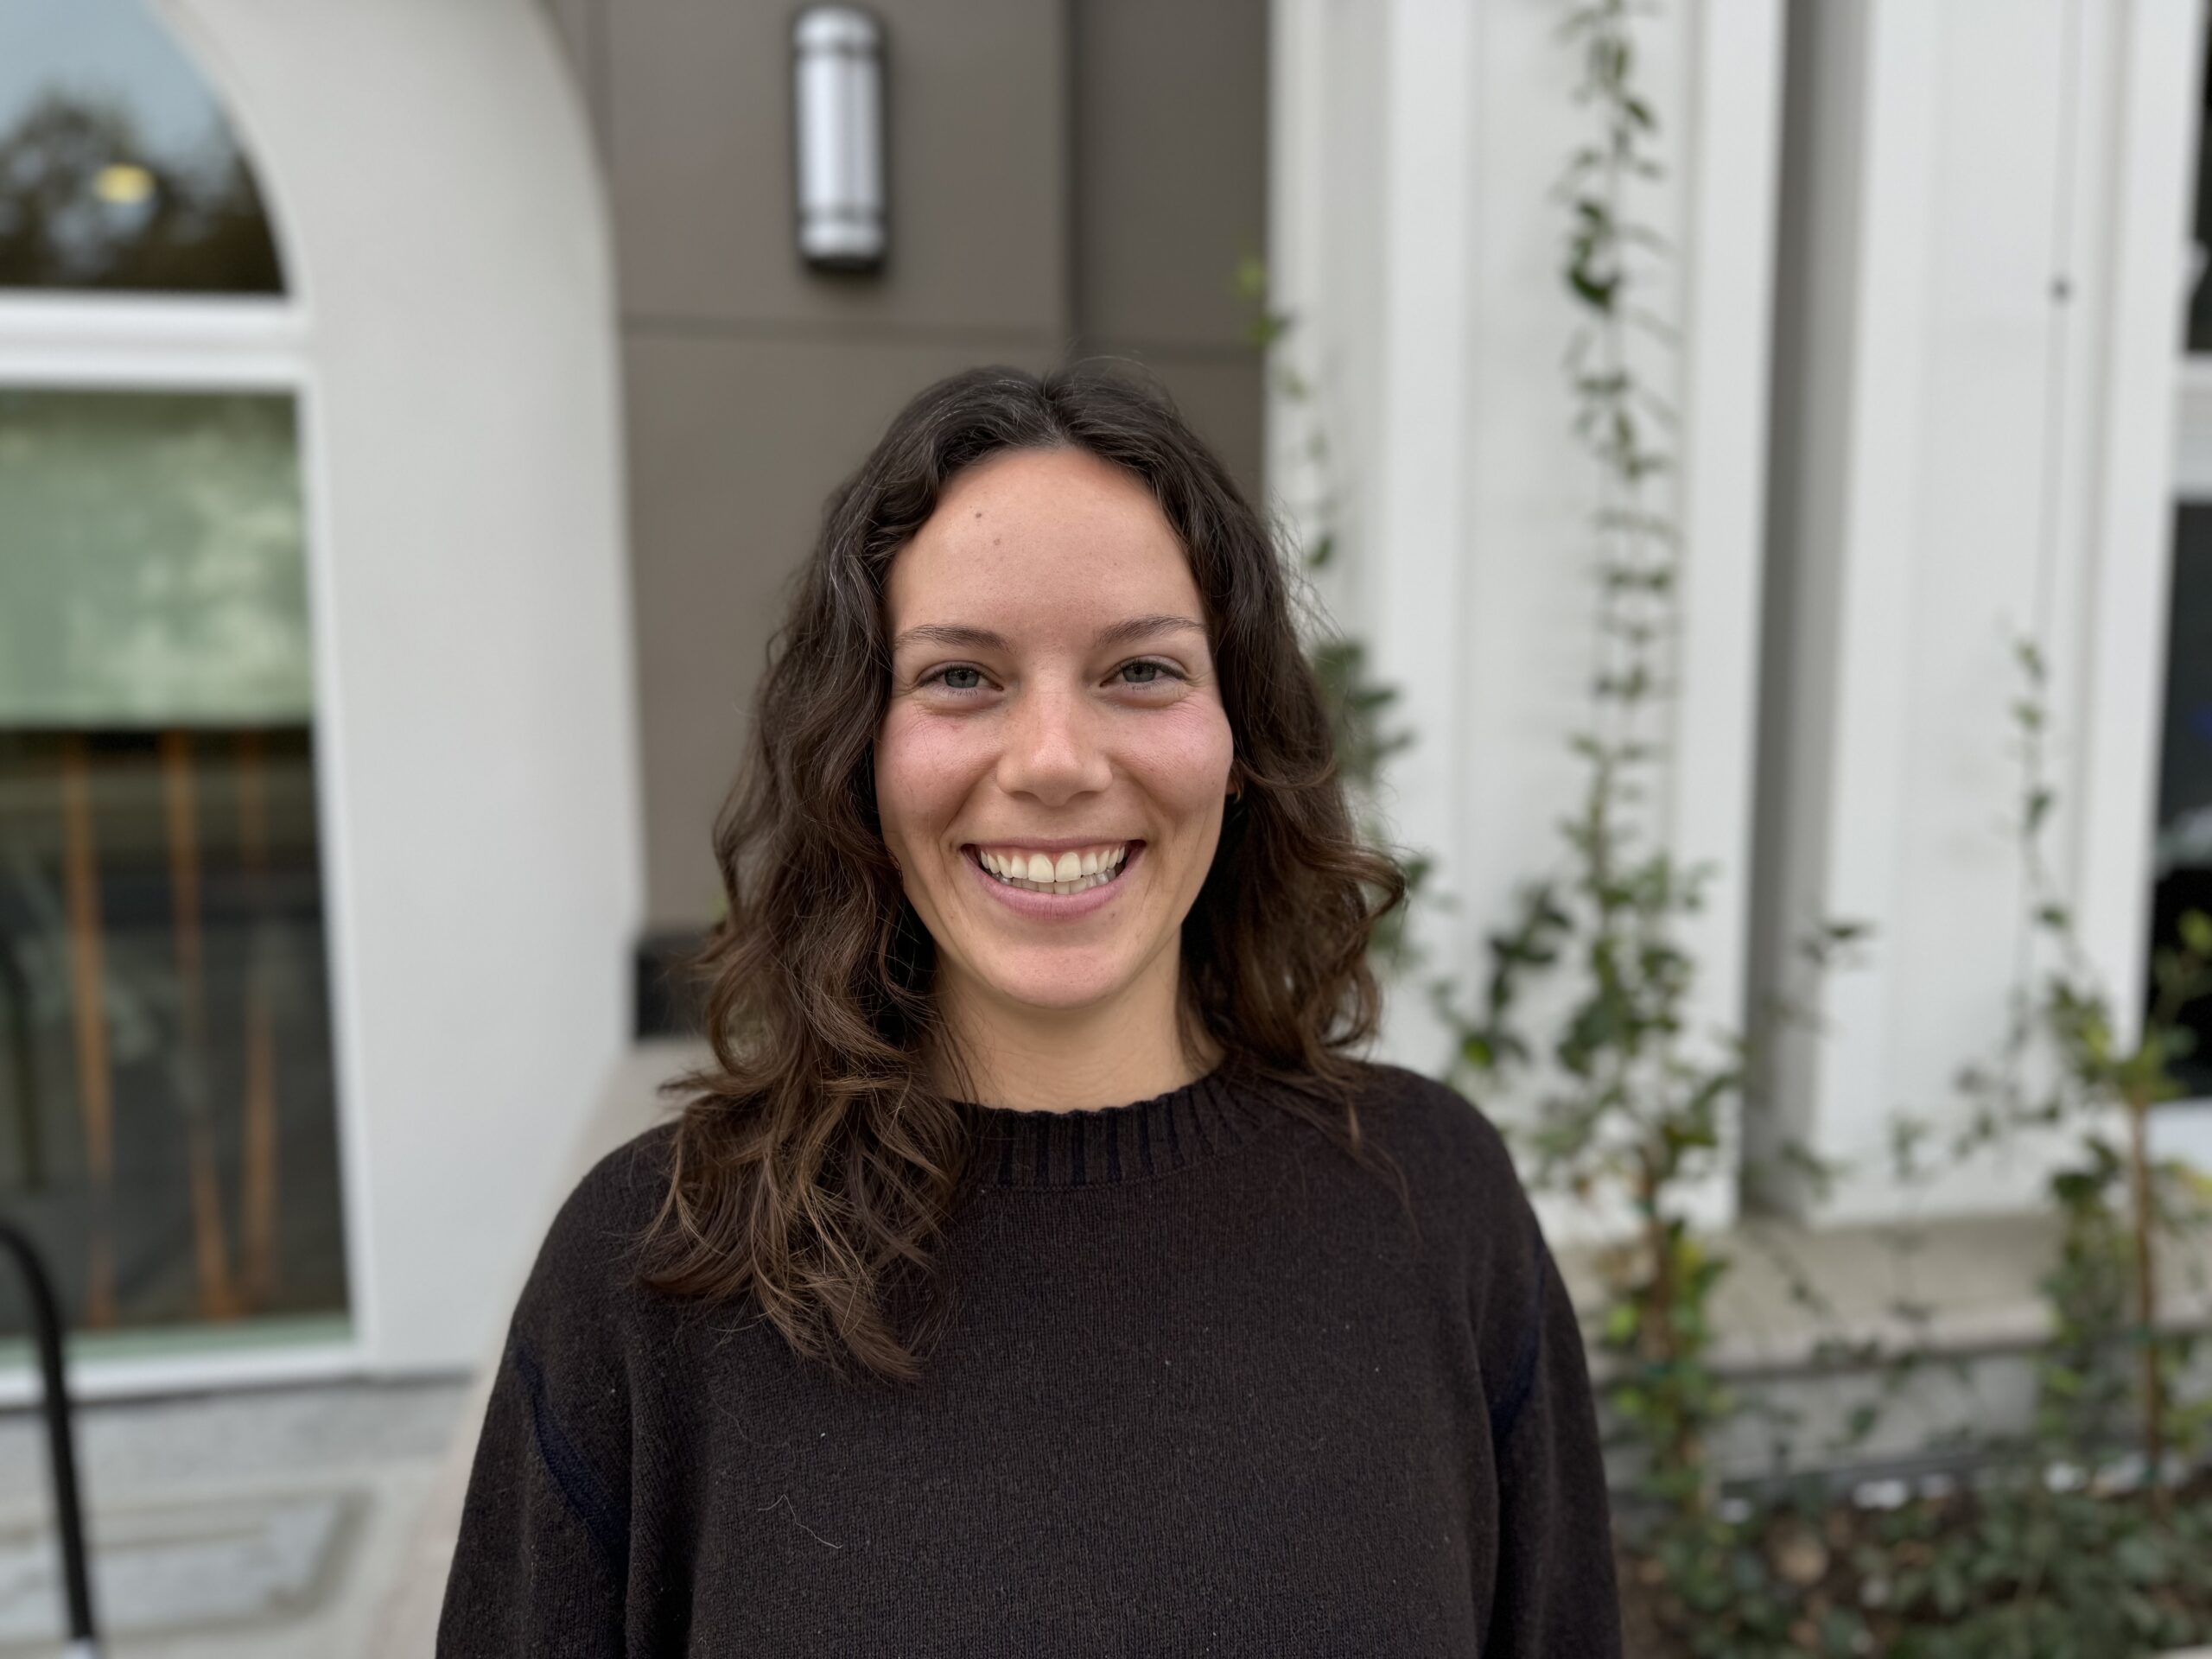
{"type": "Point", "coordinates": [1069, 1060]}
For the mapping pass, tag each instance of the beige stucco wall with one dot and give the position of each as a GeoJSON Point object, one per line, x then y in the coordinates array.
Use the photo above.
{"type": "Point", "coordinates": [1072, 177]}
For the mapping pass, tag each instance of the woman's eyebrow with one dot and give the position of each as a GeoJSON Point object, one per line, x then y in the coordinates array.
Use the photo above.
{"type": "Point", "coordinates": [1143, 627]}
{"type": "Point", "coordinates": [1114, 633]}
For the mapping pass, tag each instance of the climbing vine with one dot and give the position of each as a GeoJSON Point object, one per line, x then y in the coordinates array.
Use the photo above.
{"type": "Point", "coordinates": [1631, 1104]}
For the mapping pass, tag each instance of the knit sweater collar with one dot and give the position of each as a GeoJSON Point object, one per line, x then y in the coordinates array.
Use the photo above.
{"type": "Point", "coordinates": [1111, 1146]}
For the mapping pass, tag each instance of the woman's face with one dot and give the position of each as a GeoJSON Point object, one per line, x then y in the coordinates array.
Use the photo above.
{"type": "Point", "coordinates": [1052, 700]}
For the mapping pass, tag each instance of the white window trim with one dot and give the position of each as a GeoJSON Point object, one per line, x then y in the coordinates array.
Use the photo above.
{"type": "Point", "coordinates": [2193, 430]}
{"type": "Point", "coordinates": [152, 341]}
{"type": "Point", "coordinates": [2185, 1126]}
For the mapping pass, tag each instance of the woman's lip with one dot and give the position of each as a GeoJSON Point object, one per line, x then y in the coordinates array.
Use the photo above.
{"type": "Point", "coordinates": [1054, 849]}
{"type": "Point", "coordinates": [1052, 907]}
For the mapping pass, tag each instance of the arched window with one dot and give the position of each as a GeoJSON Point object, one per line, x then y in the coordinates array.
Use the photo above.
{"type": "Point", "coordinates": [168, 1115]}
{"type": "Point", "coordinates": [118, 169]}
{"type": "Point", "coordinates": [318, 861]}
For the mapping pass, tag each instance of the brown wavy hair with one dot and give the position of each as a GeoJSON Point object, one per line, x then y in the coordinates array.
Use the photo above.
{"type": "Point", "coordinates": [814, 1163]}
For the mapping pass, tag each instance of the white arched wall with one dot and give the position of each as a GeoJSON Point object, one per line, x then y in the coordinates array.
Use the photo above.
{"type": "Point", "coordinates": [447, 243]}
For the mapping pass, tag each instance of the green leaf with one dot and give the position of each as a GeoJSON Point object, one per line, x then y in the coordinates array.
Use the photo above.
{"type": "Point", "coordinates": [2140, 1559]}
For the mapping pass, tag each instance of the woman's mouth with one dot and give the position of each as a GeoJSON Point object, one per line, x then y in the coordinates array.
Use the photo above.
{"type": "Point", "coordinates": [1063, 875]}
{"type": "Point", "coordinates": [1084, 892]}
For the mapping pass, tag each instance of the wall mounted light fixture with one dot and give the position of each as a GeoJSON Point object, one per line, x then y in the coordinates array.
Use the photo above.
{"type": "Point", "coordinates": [837, 102]}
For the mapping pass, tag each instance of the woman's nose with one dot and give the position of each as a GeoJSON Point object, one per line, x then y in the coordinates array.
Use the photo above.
{"type": "Point", "coordinates": [1052, 747]}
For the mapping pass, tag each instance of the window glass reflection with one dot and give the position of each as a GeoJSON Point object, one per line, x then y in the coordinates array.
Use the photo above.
{"type": "Point", "coordinates": [167, 1126]}
{"type": "Point", "coordinates": [118, 169]}
{"type": "Point", "coordinates": [153, 570]}
{"type": "Point", "coordinates": [2182, 859]}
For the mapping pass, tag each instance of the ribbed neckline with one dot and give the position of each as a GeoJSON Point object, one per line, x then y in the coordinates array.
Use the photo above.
{"type": "Point", "coordinates": [1110, 1146]}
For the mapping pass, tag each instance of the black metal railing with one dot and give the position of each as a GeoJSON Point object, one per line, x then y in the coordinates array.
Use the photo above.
{"type": "Point", "coordinates": [61, 1441]}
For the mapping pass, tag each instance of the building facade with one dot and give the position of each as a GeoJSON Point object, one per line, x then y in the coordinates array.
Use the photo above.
{"type": "Point", "coordinates": [410, 415]}
{"type": "Point", "coordinates": [383, 599]}
{"type": "Point", "coordinates": [1927, 288]}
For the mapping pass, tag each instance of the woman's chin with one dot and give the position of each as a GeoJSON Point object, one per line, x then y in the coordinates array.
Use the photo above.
{"type": "Point", "coordinates": [1049, 987]}
{"type": "Point", "coordinates": [1067, 999]}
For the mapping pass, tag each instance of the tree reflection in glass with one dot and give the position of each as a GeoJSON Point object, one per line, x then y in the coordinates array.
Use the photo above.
{"type": "Point", "coordinates": [119, 168]}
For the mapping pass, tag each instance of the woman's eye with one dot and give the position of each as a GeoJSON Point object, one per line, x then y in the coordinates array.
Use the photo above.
{"type": "Point", "coordinates": [952, 677]}
{"type": "Point", "coordinates": [1161, 671]}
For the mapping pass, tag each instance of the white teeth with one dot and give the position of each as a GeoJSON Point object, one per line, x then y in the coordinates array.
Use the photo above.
{"type": "Point", "coordinates": [1071, 873]}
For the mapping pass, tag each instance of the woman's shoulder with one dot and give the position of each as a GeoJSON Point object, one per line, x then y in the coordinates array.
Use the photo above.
{"type": "Point", "coordinates": [1468, 1198]}
{"type": "Point", "coordinates": [591, 1249]}
{"type": "Point", "coordinates": [1427, 1124]}
{"type": "Point", "coordinates": [568, 1364]}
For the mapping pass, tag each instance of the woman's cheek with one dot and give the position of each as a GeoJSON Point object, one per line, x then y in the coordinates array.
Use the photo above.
{"type": "Point", "coordinates": [921, 768]}
{"type": "Point", "coordinates": [1185, 755]}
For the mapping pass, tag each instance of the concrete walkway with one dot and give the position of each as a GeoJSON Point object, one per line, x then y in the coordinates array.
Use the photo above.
{"type": "Point", "coordinates": [253, 1524]}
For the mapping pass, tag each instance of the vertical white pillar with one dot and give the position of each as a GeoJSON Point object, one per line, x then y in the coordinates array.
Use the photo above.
{"type": "Point", "coordinates": [1978, 445]}
{"type": "Point", "coordinates": [1416, 585]}
{"type": "Point", "coordinates": [1420, 240]}
{"type": "Point", "coordinates": [1732, 123]}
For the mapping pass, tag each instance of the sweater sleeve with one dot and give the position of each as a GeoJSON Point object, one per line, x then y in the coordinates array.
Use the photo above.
{"type": "Point", "coordinates": [1556, 1596]}
{"type": "Point", "coordinates": [541, 1564]}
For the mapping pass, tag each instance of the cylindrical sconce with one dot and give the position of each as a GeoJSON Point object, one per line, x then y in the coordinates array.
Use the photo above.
{"type": "Point", "coordinates": [837, 100]}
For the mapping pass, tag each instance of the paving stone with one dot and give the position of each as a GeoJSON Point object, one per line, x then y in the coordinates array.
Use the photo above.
{"type": "Point", "coordinates": [251, 1524]}
{"type": "Point", "coordinates": [172, 1569]}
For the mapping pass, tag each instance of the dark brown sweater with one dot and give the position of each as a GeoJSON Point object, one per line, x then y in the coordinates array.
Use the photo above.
{"type": "Point", "coordinates": [1203, 1392]}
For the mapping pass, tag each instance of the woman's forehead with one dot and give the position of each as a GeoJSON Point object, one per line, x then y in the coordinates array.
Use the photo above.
{"type": "Point", "coordinates": [1031, 500]}
{"type": "Point", "coordinates": [1054, 536]}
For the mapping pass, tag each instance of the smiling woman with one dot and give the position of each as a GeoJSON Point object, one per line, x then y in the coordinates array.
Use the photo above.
{"type": "Point", "coordinates": [1045, 954]}
{"type": "Point", "coordinates": [1068, 741]}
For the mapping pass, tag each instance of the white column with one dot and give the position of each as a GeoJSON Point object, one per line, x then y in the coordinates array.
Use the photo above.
{"type": "Point", "coordinates": [1732, 122]}
{"type": "Point", "coordinates": [1415, 596]}
{"type": "Point", "coordinates": [1974, 444]}
{"type": "Point", "coordinates": [1418, 240]}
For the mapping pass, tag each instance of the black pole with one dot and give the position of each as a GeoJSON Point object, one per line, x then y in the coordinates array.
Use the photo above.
{"type": "Point", "coordinates": [61, 1450]}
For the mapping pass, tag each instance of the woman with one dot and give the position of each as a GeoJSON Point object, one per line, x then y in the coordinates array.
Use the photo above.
{"type": "Point", "coordinates": [1034, 1269]}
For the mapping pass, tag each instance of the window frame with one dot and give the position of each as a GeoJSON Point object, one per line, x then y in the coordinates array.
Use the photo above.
{"type": "Point", "coordinates": [98, 341]}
